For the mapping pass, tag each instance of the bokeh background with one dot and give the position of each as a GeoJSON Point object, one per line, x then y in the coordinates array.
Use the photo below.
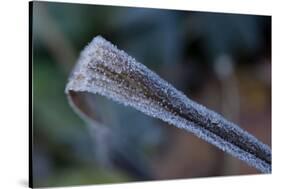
{"type": "Point", "coordinates": [222, 61]}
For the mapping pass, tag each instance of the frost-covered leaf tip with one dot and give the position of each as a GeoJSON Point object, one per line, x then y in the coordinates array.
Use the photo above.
{"type": "Point", "coordinates": [105, 70]}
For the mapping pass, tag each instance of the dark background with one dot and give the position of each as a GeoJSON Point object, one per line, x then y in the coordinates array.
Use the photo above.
{"type": "Point", "coordinates": [222, 61]}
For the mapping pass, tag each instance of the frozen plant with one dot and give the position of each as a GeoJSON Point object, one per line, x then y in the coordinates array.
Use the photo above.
{"type": "Point", "coordinates": [105, 70]}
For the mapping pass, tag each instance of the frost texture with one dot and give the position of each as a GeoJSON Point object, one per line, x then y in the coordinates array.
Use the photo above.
{"type": "Point", "coordinates": [103, 69]}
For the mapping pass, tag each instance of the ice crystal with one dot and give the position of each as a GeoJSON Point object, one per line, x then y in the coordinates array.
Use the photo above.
{"type": "Point", "coordinates": [105, 70]}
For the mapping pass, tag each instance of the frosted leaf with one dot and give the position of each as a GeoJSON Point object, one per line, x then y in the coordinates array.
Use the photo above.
{"type": "Point", "coordinates": [105, 70]}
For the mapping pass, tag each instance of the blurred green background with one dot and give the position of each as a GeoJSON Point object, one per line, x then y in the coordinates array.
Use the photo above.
{"type": "Point", "coordinates": [222, 61]}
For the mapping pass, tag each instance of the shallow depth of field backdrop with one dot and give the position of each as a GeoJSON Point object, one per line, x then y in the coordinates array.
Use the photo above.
{"type": "Point", "coordinates": [222, 61]}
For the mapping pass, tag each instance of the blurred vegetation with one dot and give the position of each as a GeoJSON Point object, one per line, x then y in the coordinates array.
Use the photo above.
{"type": "Point", "coordinates": [220, 60]}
